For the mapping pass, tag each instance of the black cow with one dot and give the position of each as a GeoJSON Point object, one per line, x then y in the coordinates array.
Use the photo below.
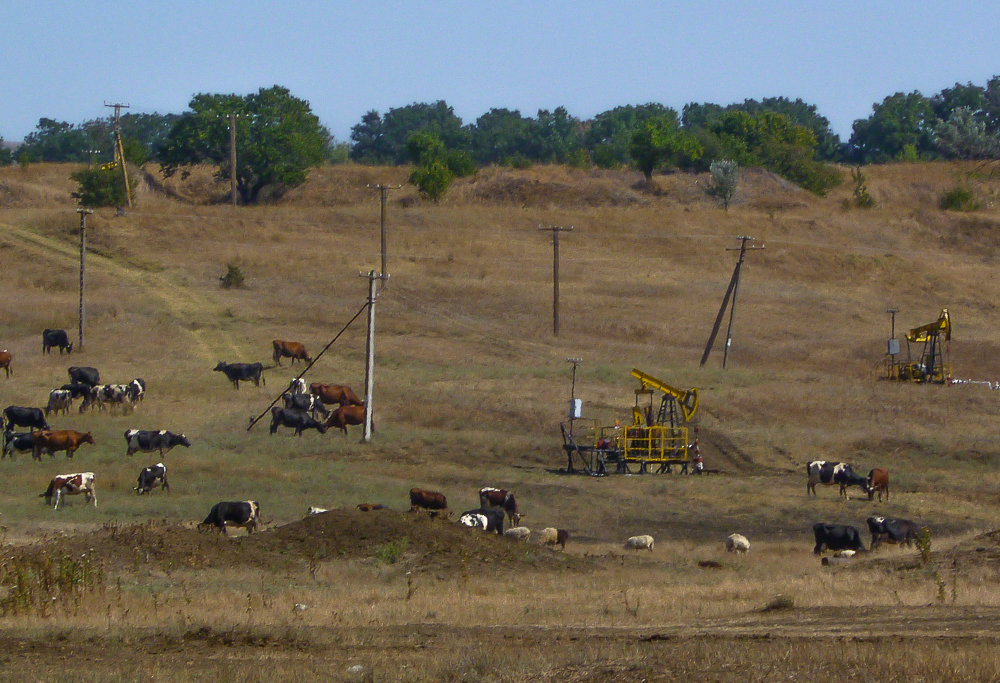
{"type": "Point", "coordinates": [289, 417]}
{"type": "Point", "coordinates": [20, 442]}
{"type": "Point", "coordinates": [244, 513]}
{"type": "Point", "coordinates": [836, 537]}
{"type": "Point", "coordinates": [84, 375]}
{"type": "Point", "coordinates": [146, 441]}
{"type": "Point", "coordinates": [24, 417]}
{"type": "Point", "coordinates": [487, 519]}
{"type": "Point", "coordinates": [152, 476]}
{"type": "Point", "coordinates": [307, 403]}
{"type": "Point", "coordinates": [901, 531]}
{"type": "Point", "coordinates": [828, 472]}
{"type": "Point", "coordinates": [58, 338]}
{"type": "Point", "coordinates": [77, 389]}
{"type": "Point", "coordinates": [247, 372]}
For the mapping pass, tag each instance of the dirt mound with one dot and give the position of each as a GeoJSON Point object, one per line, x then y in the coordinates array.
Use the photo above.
{"type": "Point", "coordinates": [416, 541]}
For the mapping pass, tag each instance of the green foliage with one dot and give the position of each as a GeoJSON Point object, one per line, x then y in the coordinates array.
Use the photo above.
{"type": "Point", "coordinates": [924, 544]}
{"type": "Point", "coordinates": [432, 179]}
{"type": "Point", "coordinates": [610, 132]}
{"type": "Point", "coordinates": [102, 186]}
{"type": "Point", "coordinates": [658, 142]}
{"type": "Point", "coordinates": [964, 136]}
{"type": "Point", "coordinates": [436, 166]}
{"type": "Point", "coordinates": [233, 278]}
{"type": "Point", "coordinates": [6, 156]}
{"type": "Point", "coordinates": [862, 199]}
{"type": "Point", "coordinates": [959, 198]}
{"type": "Point", "coordinates": [391, 552]}
{"type": "Point", "coordinates": [500, 135]}
{"type": "Point", "coordinates": [900, 128]}
{"type": "Point", "coordinates": [383, 140]}
{"type": "Point", "coordinates": [278, 139]}
{"type": "Point", "coordinates": [725, 180]}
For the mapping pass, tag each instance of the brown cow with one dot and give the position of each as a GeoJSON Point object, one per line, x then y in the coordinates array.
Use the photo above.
{"type": "Point", "coordinates": [347, 415]}
{"type": "Point", "coordinates": [52, 440]}
{"type": "Point", "coordinates": [878, 480]}
{"type": "Point", "coordinates": [368, 507]}
{"type": "Point", "coordinates": [5, 359]}
{"type": "Point", "coordinates": [289, 349]}
{"type": "Point", "coordinates": [69, 485]}
{"type": "Point", "coordinates": [421, 499]}
{"type": "Point", "coordinates": [490, 497]}
{"type": "Point", "coordinates": [335, 393]}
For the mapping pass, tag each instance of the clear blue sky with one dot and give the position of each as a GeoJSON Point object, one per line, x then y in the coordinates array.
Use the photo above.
{"type": "Point", "coordinates": [64, 60]}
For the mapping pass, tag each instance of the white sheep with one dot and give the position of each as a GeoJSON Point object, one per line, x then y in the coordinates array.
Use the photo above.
{"type": "Point", "coordinates": [640, 543]}
{"type": "Point", "coordinates": [737, 543]}
{"type": "Point", "coordinates": [552, 536]}
{"type": "Point", "coordinates": [518, 533]}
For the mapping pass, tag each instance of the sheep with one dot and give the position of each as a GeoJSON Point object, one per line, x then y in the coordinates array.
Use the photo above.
{"type": "Point", "coordinates": [313, 510]}
{"type": "Point", "coordinates": [640, 543]}
{"type": "Point", "coordinates": [519, 533]}
{"type": "Point", "coordinates": [552, 536]}
{"type": "Point", "coordinates": [737, 543]}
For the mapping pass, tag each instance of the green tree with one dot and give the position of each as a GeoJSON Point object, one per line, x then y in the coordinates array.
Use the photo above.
{"type": "Point", "coordinates": [659, 142]}
{"type": "Point", "coordinates": [6, 155]}
{"type": "Point", "coordinates": [725, 181]}
{"type": "Point", "coordinates": [436, 166]}
{"type": "Point", "coordinates": [899, 121]}
{"type": "Point", "coordinates": [501, 135]}
{"type": "Point", "coordinates": [964, 136]}
{"type": "Point", "coordinates": [101, 186]}
{"type": "Point", "coordinates": [609, 133]}
{"type": "Point", "coordinates": [432, 179]}
{"type": "Point", "coordinates": [278, 139]}
{"type": "Point", "coordinates": [382, 139]}
{"type": "Point", "coordinates": [555, 136]}
{"type": "Point", "coordinates": [57, 141]}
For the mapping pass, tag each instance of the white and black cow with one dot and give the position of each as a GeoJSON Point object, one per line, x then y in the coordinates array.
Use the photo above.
{"type": "Point", "coordinates": [828, 472]}
{"type": "Point", "coordinates": [298, 420]}
{"type": "Point", "coordinates": [244, 513]}
{"type": "Point", "coordinates": [245, 372]}
{"type": "Point", "coordinates": [84, 375]}
{"type": "Point", "coordinates": [487, 519]}
{"type": "Point", "coordinates": [147, 441]}
{"type": "Point", "coordinates": [24, 417]}
{"type": "Point", "coordinates": [836, 537]}
{"type": "Point", "coordinates": [136, 390]}
{"type": "Point", "coordinates": [69, 485]}
{"type": "Point", "coordinates": [307, 403]}
{"type": "Point", "coordinates": [151, 477]}
{"type": "Point", "coordinates": [901, 531]}
{"type": "Point", "coordinates": [490, 497]}
{"type": "Point", "coordinates": [60, 401]}
{"type": "Point", "coordinates": [53, 338]}
{"type": "Point", "coordinates": [298, 386]}
{"type": "Point", "coordinates": [20, 442]}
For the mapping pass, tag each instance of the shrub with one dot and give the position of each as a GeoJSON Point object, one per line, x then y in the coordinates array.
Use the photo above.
{"type": "Point", "coordinates": [725, 179]}
{"type": "Point", "coordinates": [924, 544]}
{"type": "Point", "coordinates": [862, 199]}
{"type": "Point", "coordinates": [389, 553]}
{"type": "Point", "coordinates": [232, 278]}
{"type": "Point", "coordinates": [959, 198]}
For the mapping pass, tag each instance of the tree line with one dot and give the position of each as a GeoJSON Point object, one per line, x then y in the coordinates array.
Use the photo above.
{"type": "Point", "coordinates": [279, 138]}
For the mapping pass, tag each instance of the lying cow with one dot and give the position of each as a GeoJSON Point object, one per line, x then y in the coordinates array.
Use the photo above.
{"type": "Point", "coordinates": [24, 417]}
{"type": "Point", "coordinates": [826, 472]}
{"type": "Point", "coordinates": [245, 372]}
{"type": "Point", "coordinates": [244, 513]}
{"type": "Point", "coordinates": [151, 477]}
{"type": "Point", "coordinates": [296, 419]}
{"type": "Point", "coordinates": [901, 531]}
{"type": "Point", "coordinates": [56, 338]}
{"type": "Point", "coordinates": [147, 441]}
{"type": "Point", "coordinates": [313, 511]}
{"type": "Point", "coordinates": [20, 442]}
{"type": "Point", "coordinates": [836, 537]}
{"type": "Point", "coordinates": [60, 401]}
{"type": "Point", "coordinates": [487, 519]}
{"type": "Point", "coordinates": [70, 485]}
{"type": "Point", "coordinates": [289, 349]}
{"type": "Point", "coordinates": [369, 507]}
{"type": "Point", "coordinates": [52, 440]}
{"type": "Point", "coordinates": [490, 497]}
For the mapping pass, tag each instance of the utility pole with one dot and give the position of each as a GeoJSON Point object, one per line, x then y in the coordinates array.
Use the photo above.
{"type": "Point", "coordinates": [732, 290]}
{"type": "Point", "coordinates": [83, 250]}
{"type": "Point", "coordinates": [383, 190]}
{"type": "Point", "coordinates": [555, 229]}
{"type": "Point", "coordinates": [119, 150]}
{"type": "Point", "coordinates": [573, 412]}
{"type": "Point", "coordinates": [232, 158]}
{"type": "Point", "coordinates": [370, 355]}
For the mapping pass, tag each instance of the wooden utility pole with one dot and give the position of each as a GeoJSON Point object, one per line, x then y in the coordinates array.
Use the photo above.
{"type": "Point", "coordinates": [119, 150]}
{"type": "Point", "coordinates": [83, 250]}
{"type": "Point", "coordinates": [383, 190]}
{"type": "Point", "coordinates": [232, 158]}
{"type": "Point", "coordinates": [370, 355]}
{"type": "Point", "coordinates": [732, 290]}
{"type": "Point", "coordinates": [555, 229]}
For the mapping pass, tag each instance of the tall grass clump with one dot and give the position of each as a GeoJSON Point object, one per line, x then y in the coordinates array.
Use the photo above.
{"type": "Point", "coordinates": [959, 198]}
{"type": "Point", "coordinates": [42, 585]}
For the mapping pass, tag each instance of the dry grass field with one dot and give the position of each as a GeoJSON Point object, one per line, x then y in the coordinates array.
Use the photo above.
{"type": "Point", "coordinates": [470, 388]}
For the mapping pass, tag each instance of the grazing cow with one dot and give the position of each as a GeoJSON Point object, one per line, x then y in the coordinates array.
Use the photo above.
{"type": "Point", "coordinates": [518, 533]}
{"type": "Point", "coordinates": [21, 442]}
{"type": "Point", "coordinates": [490, 497]}
{"type": "Point", "coordinates": [737, 543]}
{"type": "Point", "coordinates": [347, 415]}
{"type": "Point", "coordinates": [427, 500]}
{"type": "Point", "coordinates": [84, 375]}
{"type": "Point", "coordinates": [136, 390]}
{"type": "Point", "coordinates": [313, 510]}
{"type": "Point", "coordinates": [58, 338]}
{"type": "Point", "coordinates": [116, 396]}
{"type": "Point", "coordinates": [901, 531]}
{"type": "Point", "coordinates": [147, 441]}
{"type": "Point", "coordinates": [24, 417]}
{"type": "Point", "coordinates": [94, 397]}
{"type": "Point", "coordinates": [298, 420]}
{"type": "Point", "coordinates": [307, 403]}
{"type": "Point", "coordinates": [244, 513]}
{"type": "Point", "coordinates": [487, 519]}
{"type": "Point", "coordinates": [289, 349]}
{"type": "Point", "coordinates": [70, 485]}
{"type": "Point", "coordinates": [49, 441]}
{"type": "Point", "coordinates": [878, 480]}
{"type": "Point", "coordinates": [246, 372]}
{"type": "Point", "coordinates": [5, 359]}
{"type": "Point", "coordinates": [368, 507]}
{"type": "Point", "coordinates": [152, 476]}
{"type": "Point", "coordinates": [836, 537]}
{"type": "Point", "coordinates": [553, 536]}
{"type": "Point", "coordinates": [826, 472]}
{"type": "Point", "coordinates": [297, 386]}
{"type": "Point", "coordinates": [638, 543]}
{"type": "Point", "coordinates": [335, 393]}
{"type": "Point", "coordinates": [60, 400]}
{"type": "Point", "coordinates": [77, 389]}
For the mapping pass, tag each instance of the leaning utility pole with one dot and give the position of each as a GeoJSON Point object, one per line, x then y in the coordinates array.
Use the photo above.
{"type": "Point", "coordinates": [119, 150]}
{"type": "Point", "coordinates": [732, 290]}
{"type": "Point", "coordinates": [370, 355]}
{"type": "Point", "coordinates": [556, 229]}
{"type": "Point", "coordinates": [383, 190]}
{"type": "Point", "coordinates": [232, 158]}
{"type": "Point", "coordinates": [83, 250]}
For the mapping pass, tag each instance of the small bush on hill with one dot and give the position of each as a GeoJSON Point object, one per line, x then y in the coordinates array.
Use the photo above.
{"type": "Point", "coordinates": [959, 198]}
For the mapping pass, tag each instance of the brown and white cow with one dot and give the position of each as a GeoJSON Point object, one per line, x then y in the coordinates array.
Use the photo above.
{"type": "Point", "coordinates": [289, 349]}
{"type": "Point", "coordinates": [69, 485]}
{"type": "Point", "coordinates": [5, 359]}
{"type": "Point", "coordinates": [422, 499]}
{"type": "Point", "coordinates": [52, 440]}
{"type": "Point", "coordinates": [878, 480]}
{"type": "Point", "coordinates": [335, 393]}
{"type": "Point", "coordinates": [490, 497]}
{"type": "Point", "coordinates": [347, 415]}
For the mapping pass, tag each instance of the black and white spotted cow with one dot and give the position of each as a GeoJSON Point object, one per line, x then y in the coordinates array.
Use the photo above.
{"type": "Point", "coordinates": [147, 441]}
{"type": "Point", "coordinates": [307, 403]}
{"type": "Point", "coordinates": [244, 513]}
{"type": "Point", "coordinates": [487, 519]}
{"type": "Point", "coordinates": [19, 442]}
{"type": "Point", "coordinates": [151, 477]}
{"type": "Point", "coordinates": [60, 401]}
{"type": "Point", "coordinates": [828, 472]}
